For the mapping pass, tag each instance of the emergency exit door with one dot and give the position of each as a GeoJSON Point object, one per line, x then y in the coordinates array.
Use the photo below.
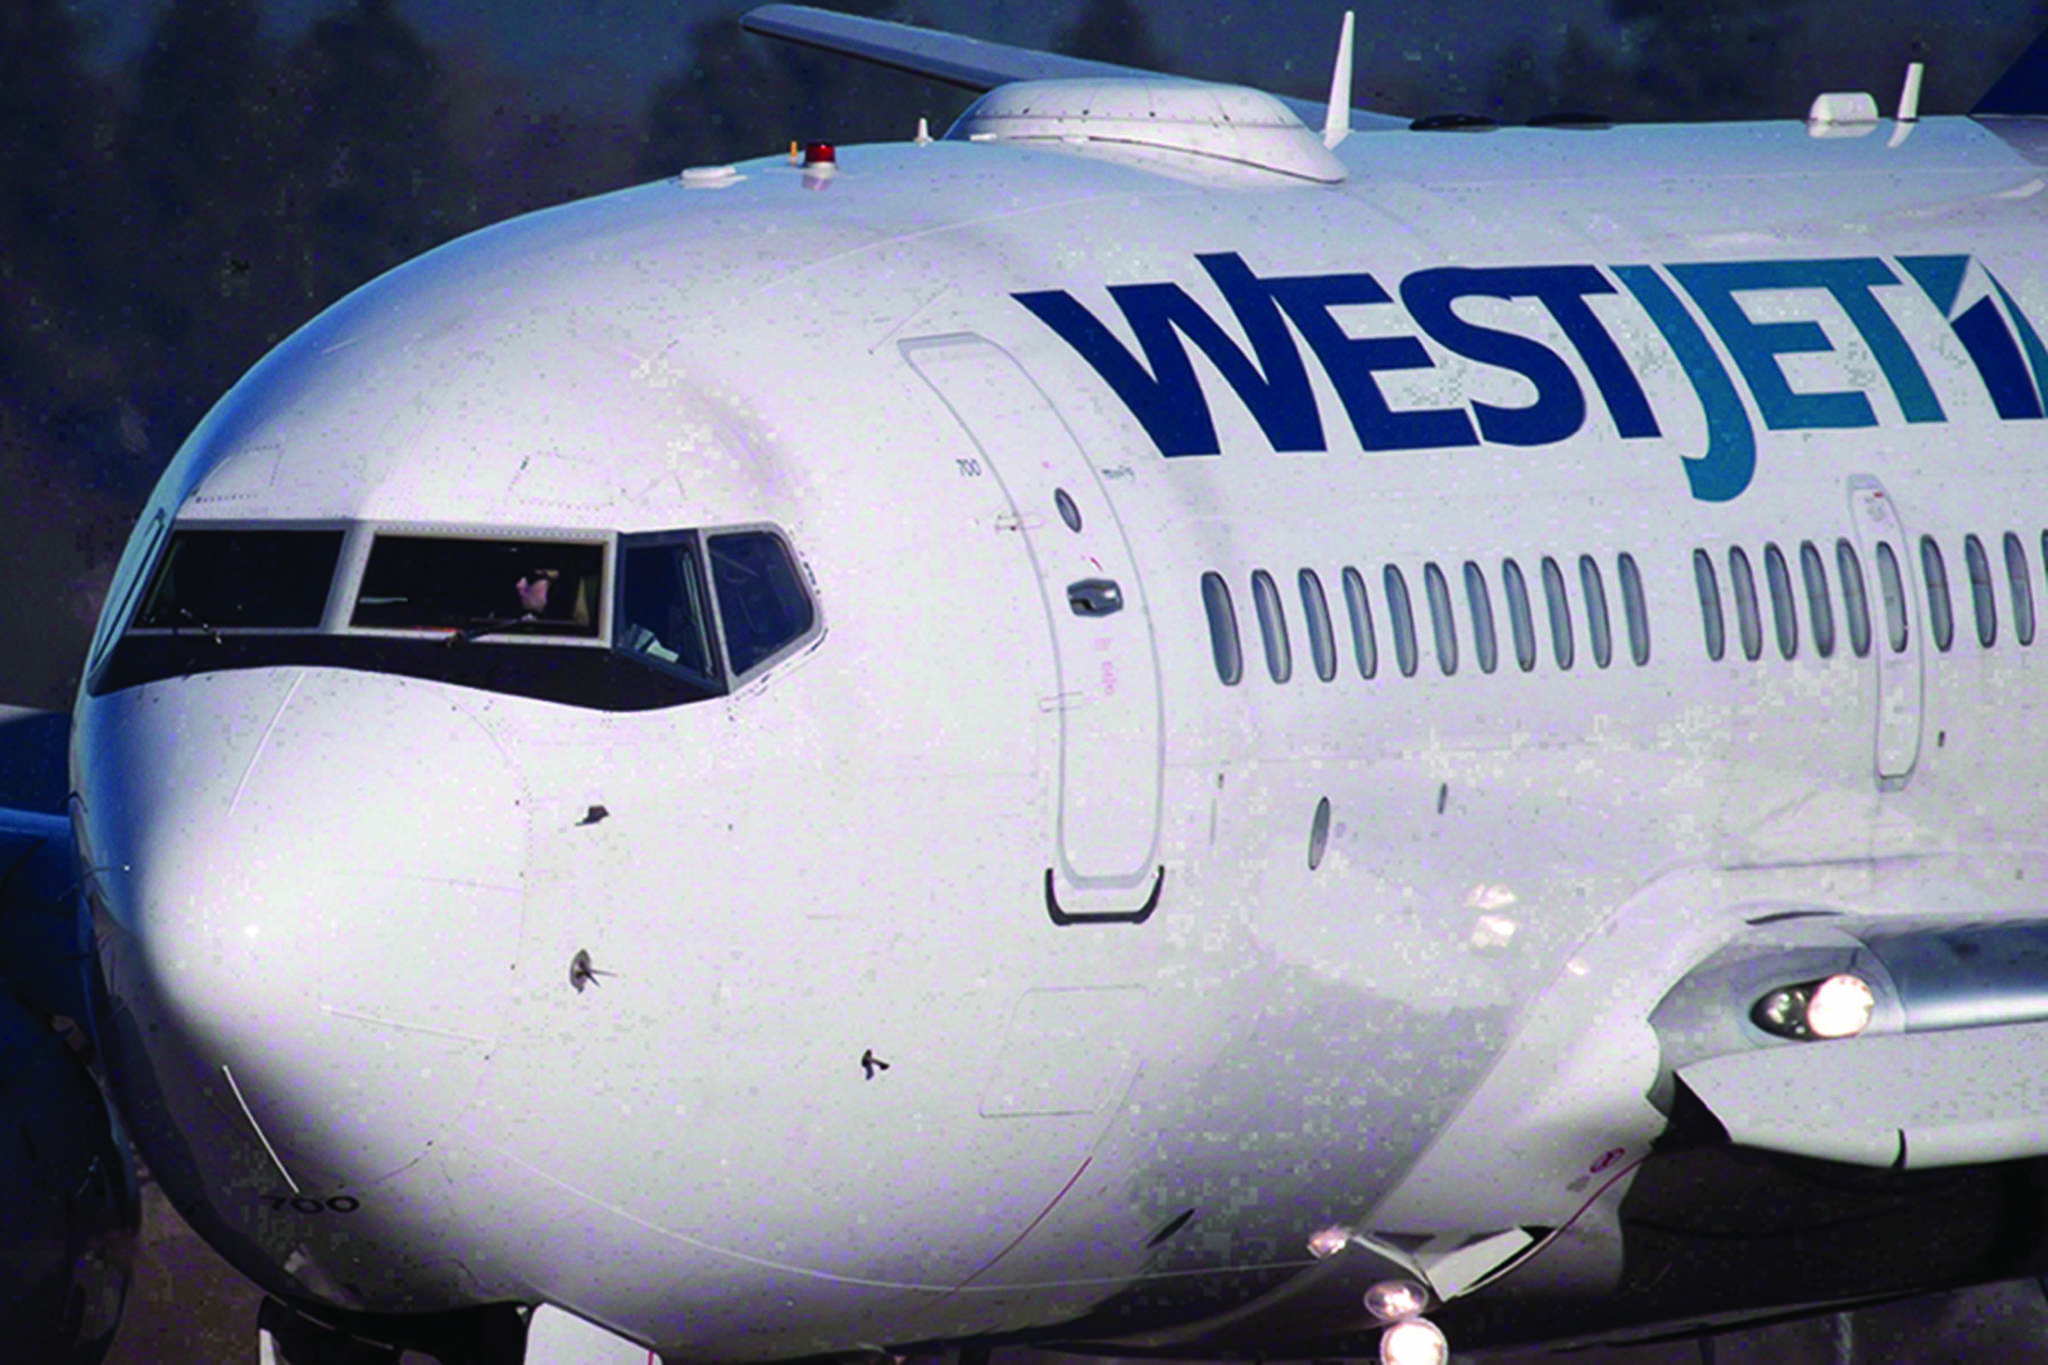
{"type": "Point", "coordinates": [1896, 626]}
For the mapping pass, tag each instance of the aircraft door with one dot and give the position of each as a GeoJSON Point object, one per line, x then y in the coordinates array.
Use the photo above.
{"type": "Point", "coordinates": [1881, 544]}
{"type": "Point", "coordinates": [1108, 700]}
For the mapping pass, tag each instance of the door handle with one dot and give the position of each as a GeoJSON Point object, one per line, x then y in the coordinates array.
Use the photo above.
{"type": "Point", "coordinates": [1095, 597]}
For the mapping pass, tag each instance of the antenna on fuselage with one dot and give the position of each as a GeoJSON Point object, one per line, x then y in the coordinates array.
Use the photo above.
{"type": "Point", "coordinates": [1337, 122]}
{"type": "Point", "coordinates": [1909, 103]}
{"type": "Point", "coordinates": [1909, 97]}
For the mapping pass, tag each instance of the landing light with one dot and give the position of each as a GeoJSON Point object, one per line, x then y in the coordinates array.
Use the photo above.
{"type": "Point", "coordinates": [1395, 1300]}
{"type": "Point", "coordinates": [1838, 1007]}
{"type": "Point", "coordinates": [1327, 1242]}
{"type": "Point", "coordinates": [1841, 1007]}
{"type": "Point", "coordinates": [1414, 1341]}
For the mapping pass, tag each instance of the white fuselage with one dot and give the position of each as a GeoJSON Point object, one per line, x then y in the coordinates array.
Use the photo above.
{"type": "Point", "coordinates": [362, 893]}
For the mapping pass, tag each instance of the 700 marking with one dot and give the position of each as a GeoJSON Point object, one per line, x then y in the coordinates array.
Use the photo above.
{"type": "Point", "coordinates": [305, 1203]}
{"type": "Point", "coordinates": [968, 469]}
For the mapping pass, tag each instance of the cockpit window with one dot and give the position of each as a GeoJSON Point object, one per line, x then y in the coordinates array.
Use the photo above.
{"type": "Point", "coordinates": [761, 599]}
{"type": "Point", "coordinates": [662, 611]}
{"type": "Point", "coordinates": [215, 580]}
{"type": "Point", "coordinates": [518, 587]}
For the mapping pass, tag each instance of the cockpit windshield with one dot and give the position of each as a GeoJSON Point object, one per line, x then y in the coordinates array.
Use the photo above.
{"type": "Point", "coordinates": [761, 600]}
{"type": "Point", "coordinates": [216, 580]}
{"type": "Point", "coordinates": [662, 611]}
{"type": "Point", "coordinates": [521, 587]}
{"type": "Point", "coordinates": [606, 620]}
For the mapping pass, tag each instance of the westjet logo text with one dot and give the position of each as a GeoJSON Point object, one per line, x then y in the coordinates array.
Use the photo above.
{"type": "Point", "coordinates": [1272, 380]}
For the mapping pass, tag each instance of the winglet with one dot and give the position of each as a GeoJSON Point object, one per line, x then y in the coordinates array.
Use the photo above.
{"type": "Point", "coordinates": [1337, 121]}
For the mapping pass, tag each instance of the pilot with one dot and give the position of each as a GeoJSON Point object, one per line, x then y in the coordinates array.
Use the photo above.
{"type": "Point", "coordinates": [533, 589]}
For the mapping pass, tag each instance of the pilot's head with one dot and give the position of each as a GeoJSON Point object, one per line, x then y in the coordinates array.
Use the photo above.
{"type": "Point", "coordinates": [533, 590]}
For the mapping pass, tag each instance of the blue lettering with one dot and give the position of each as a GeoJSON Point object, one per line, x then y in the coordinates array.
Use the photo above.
{"type": "Point", "coordinates": [1755, 346]}
{"type": "Point", "coordinates": [1983, 334]}
{"type": "Point", "coordinates": [1989, 341]}
{"type": "Point", "coordinates": [1351, 362]}
{"type": "Point", "coordinates": [1560, 408]}
{"type": "Point", "coordinates": [1163, 393]}
{"type": "Point", "coordinates": [2036, 355]}
{"type": "Point", "coordinates": [1725, 470]}
{"type": "Point", "coordinates": [1159, 386]}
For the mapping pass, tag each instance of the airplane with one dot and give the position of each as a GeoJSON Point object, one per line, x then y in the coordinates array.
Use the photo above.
{"type": "Point", "coordinates": [1145, 728]}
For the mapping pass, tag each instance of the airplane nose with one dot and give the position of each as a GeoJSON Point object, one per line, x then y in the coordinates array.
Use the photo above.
{"type": "Point", "coordinates": [309, 887]}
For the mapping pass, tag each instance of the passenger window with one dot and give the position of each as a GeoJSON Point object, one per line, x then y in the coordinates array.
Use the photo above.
{"type": "Point", "coordinates": [662, 612]}
{"type": "Point", "coordinates": [1223, 643]}
{"type": "Point", "coordinates": [1819, 606]}
{"type": "Point", "coordinates": [1483, 642]}
{"type": "Point", "coordinates": [1711, 624]}
{"type": "Point", "coordinates": [1315, 608]}
{"type": "Point", "coordinates": [1855, 600]}
{"type": "Point", "coordinates": [1891, 582]}
{"type": "Point", "coordinates": [1272, 626]}
{"type": "Point", "coordinates": [1981, 599]}
{"type": "Point", "coordinates": [480, 587]}
{"type": "Point", "coordinates": [762, 605]}
{"type": "Point", "coordinates": [1784, 609]}
{"type": "Point", "coordinates": [1596, 610]}
{"type": "Point", "coordinates": [1403, 612]}
{"type": "Point", "coordinates": [1445, 628]}
{"type": "Point", "coordinates": [1634, 609]}
{"type": "Point", "coordinates": [215, 580]}
{"type": "Point", "coordinates": [1941, 621]}
{"type": "Point", "coordinates": [1560, 608]}
{"type": "Point", "coordinates": [1749, 623]}
{"type": "Point", "coordinates": [1362, 642]}
{"type": "Point", "coordinates": [2021, 585]}
{"type": "Point", "coordinates": [1520, 619]}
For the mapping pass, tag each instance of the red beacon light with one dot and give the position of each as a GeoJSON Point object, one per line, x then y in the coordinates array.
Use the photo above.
{"type": "Point", "coordinates": [820, 154]}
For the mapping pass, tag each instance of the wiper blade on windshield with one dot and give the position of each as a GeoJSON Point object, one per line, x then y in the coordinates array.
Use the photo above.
{"type": "Point", "coordinates": [477, 632]}
{"type": "Point", "coordinates": [185, 613]}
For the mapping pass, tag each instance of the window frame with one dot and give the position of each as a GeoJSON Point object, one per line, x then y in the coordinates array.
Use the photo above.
{"type": "Point", "coordinates": [1635, 608]}
{"type": "Point", "coordinates": [1941, 620]}
{"type": "Point", "coordinates": [1443, 623]}
{"type": "Point", "coordinates": [1315, 609]}
{"type": "Point", "coordinates": [1272, 615]}
{"type": "Point", "coordinates": [1749, 620]}
{"type": "Point", "coordinates": [1820, 603]}
{"type": "Point", "coordinates": [654, 540]}
{"type": "Point", "coordinates": [1365, 647]}
{"type": "Point", "coordinates": [1599, 624]}
{"type": "Point", "coordinates": [1230, 671]}
{"type": "Point", "coordinates": [1521, 616]}
{"type": "Point", "coordinates": [342, 575]}
{"type": "Point", "coordinates": [1983, 596]}
{"type": "Point", "coordinates": [1855, 597]}
{"type": "Point", "coordinates": [1784, 601]}
{"type": "Point", "coordinates": [1401, 610]}
{"type": "Point", "coordinates": [1713, 622]}
{"type": "Point", "coordinates": [1558, 604]}
{"type": "Point", "coordinates": [1891, 585]}
{"type": "Point", "coordinates": [1479, 603]}
{"type": "Point", "coordinates": [2020, 587]}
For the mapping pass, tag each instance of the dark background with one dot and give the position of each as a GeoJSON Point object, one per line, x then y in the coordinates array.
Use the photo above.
{"type": "Point", "coordinates": [183, 182]}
